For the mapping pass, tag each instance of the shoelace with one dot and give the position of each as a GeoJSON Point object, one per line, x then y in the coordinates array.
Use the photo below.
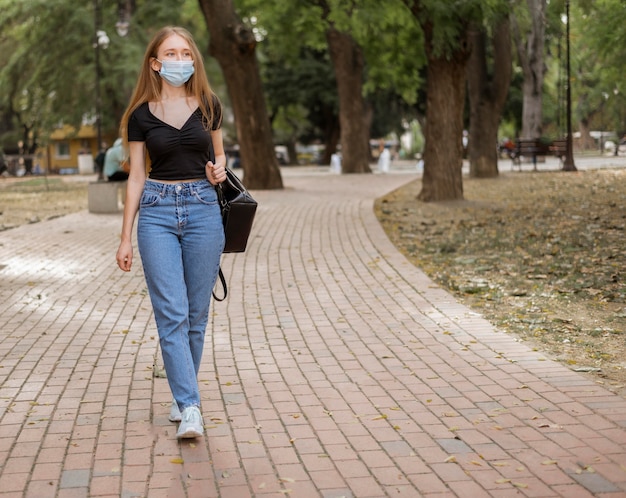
{"type": "Point", "coordinates": [190, 414]}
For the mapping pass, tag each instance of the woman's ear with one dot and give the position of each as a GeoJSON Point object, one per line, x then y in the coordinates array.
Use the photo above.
{"type": "Point", "coordinates": [155, 64]}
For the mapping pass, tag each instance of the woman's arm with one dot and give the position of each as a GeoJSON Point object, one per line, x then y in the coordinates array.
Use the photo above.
{"type": "Point", "coordinates": [216, 172]}
{"type": "Point", "coordinates": [134, 189]}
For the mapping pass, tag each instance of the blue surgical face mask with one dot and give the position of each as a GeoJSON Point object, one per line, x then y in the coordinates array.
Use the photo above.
{"type": "Point", "coordinates": [176, 73]}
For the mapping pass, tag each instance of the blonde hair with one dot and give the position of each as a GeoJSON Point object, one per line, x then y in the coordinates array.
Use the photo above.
{"type": "Point", "coordinates": [148, 87]}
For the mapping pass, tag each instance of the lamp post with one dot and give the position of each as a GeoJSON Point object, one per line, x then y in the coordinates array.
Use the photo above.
{"type": "Point", "coordinates": [101, 40]}
{"type": "Point", "coordinates": [124, 9]}
{"type": "Point", "coordinates": [603, 122]}
{"type": "Point", "coordinates": [20, 160]}
{"type": "Point", "coordinates": [619, 123]}
{"type": "Point", "coordinates": [568, 164]}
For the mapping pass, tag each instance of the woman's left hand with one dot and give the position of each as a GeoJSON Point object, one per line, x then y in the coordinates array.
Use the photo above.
{"type": "Point", "coordinates": [215, 173]}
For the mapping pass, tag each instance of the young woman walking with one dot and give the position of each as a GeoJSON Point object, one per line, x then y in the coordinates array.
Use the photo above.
{"type": "Point", "coordinates": [174, 119]}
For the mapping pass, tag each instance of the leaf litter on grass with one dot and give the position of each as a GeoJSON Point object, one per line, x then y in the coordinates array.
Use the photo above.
{"type": "Point", "coordinates": [541, 255]}
{"type": "Point", "coordinates": [32, 199]}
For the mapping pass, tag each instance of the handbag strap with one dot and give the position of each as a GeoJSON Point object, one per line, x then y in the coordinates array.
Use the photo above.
{"type": "Point", "coordinates": [223, 282]}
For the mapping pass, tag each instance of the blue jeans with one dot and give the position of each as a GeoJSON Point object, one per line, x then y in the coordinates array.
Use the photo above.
{"type": "Point", "coordinates": [180, 239]}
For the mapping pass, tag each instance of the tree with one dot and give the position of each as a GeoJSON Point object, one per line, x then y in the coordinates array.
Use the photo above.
{"type": "Point", "coordinates": [445, 28]}
{"type": "Point", "coordinates": [49, 79]}
{"type": "Point", "coordinates": [349, 64]}
{"type": "Point", "coordinates": [598, 37]}
{"type": "Point", "coordinates": [37, 83]}
{"type": "Point", "coordinates": [487, 94]}
{"type": "Point", "coordinates": [302, 95]}
{"type": "Point", "coordinates": [370, 49]}
{"type": "Point", "coordinates": [530, 54]}
{"type": "Point", "coordinates": [233, 44]}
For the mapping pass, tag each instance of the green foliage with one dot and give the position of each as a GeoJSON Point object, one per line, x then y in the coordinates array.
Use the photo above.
{"type": "Point", "coordinates": [600, 40]}
{"type": "Point", "coordinates": [47, 73]}
{"type": "Point", "coordinates": [44, 72]}
{"type": "Point", "coordinates": [598, 35]}
{"type": "Point", "coordinates": [300, 88]}
{"type": "Point", "coordinates": [605, 28]}
{"type": "Point", "coordinates": [393, 45]}
{"type": "Point", "coordinates": [448, 21]}
{"type": "Point", "coordinates": [389, 38]}
{"type": "Point", "coordinates": [47, 59]}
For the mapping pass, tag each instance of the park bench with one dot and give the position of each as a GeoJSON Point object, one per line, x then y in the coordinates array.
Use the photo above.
{"type": "Point", "coordinates": [530, 147]}
{"type": "Point", "coordinates": [535, 147]}
{"type": "Point", "coordinates": [106, 197]}
{"type": "Point", "coordinates": [559, 149]}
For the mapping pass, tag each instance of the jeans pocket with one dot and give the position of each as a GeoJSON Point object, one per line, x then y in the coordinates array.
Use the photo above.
{"type": "Point", "coordinates": [149, 199]}
{"type": "Point", "coordinates": [206, 195]}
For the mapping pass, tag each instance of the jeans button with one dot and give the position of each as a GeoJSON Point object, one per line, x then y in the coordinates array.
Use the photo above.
{"type": "Point", "coordinates": [178, 188]}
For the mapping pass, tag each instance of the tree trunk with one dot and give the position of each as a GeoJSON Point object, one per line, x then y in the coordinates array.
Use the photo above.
{"type": "Point", "coordinates": [292, 152]}
{"type": "Point", "coordinates": [530, 54]}
{"type": "Point", "coordinates": [586, 141]}
{"type": "Point", "coordinates": [443, 151]}
{"type": "Point", "coordinates": [487, 97]}
{"type": "Point", "coordinates": [332, 135]}
{"type": "Point", "coordinates": [233, 45]}
{"type": "Point", "coordinates": [348, 63]}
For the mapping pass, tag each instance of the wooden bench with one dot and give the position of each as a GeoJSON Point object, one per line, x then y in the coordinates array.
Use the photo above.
{"type": "Point", "coordinates": [106, 197]}
{"type": "Point", "coordinates": [559, 149]}
{"type": "Point", "coordinates": [535, 147]}
{"type": "Point", "coordinates": [530, 147]}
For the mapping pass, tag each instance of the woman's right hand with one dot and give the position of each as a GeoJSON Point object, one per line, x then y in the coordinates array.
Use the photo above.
{"type": "Point", "coordinates": [215, 173]}
{"type": "Point", "coordinates": [124, 256]}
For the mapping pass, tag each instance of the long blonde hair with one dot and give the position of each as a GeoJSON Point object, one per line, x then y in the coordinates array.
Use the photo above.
{"type": "Point", "coordinates": [148, 87]}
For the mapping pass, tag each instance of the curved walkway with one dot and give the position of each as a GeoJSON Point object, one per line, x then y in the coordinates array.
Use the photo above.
{"type": "Point", "coordinates": [334, 369]}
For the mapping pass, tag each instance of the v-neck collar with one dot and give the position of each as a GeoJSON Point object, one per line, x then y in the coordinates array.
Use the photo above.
{"type": "Point", "coordinates": [168, 124]}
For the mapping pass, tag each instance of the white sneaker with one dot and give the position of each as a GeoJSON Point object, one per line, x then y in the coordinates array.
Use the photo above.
{"type": "Point", "coordinates": [191, 425]}
{"type": "Point", "coordinates": [175, 415]}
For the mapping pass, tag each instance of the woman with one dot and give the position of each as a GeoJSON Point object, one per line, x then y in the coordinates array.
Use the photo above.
{"type": "Point", "coordinates": [174, 119]}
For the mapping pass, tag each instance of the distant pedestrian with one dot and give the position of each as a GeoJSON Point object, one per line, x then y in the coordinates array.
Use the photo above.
{"type": "Point", "coordinates": [114, 163]}
{"type": "Point", "coordinates": [99, 160]}
{"type": "Point", "coordinates": [335, 163]}
{"type": "Point", "coordinates": [384, 161]}
{"type": "Point", "coordinates": [175, 117]}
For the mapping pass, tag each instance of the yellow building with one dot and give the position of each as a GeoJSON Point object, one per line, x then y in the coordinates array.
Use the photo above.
{"type": "Point", "coordinates": [69, 151]}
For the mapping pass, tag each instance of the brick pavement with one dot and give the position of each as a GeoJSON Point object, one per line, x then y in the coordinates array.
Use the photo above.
{"type": "Point", "coordinates": [334, 369]}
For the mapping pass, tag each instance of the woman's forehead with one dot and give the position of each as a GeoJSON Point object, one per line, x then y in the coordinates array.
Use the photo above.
{"type": "Point", "coordinates": [174, 42]}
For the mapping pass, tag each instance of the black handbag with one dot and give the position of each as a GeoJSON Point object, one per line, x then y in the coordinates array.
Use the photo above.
{"type": "Point", "coordinates": [238, 211]}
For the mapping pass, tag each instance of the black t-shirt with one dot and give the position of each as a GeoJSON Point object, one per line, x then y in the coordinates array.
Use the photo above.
{"type": "Point", "coordinates": [175, 154]}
